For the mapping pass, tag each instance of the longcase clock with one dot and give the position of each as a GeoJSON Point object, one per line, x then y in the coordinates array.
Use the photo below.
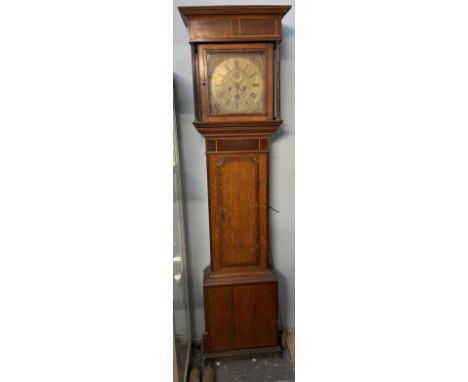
{"type": "Point", "coordinates": [236, 77]}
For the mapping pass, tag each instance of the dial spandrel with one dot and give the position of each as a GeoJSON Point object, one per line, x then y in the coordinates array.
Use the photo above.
{"type": "Point", "coordinates": [236, 83]}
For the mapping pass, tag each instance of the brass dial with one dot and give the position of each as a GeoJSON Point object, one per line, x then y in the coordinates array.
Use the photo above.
{"type": "Point", "coordinates": [237, 86]}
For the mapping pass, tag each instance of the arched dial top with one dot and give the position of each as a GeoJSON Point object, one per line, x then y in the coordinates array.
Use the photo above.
{"type": "Point", "coordinates": [236, 83]}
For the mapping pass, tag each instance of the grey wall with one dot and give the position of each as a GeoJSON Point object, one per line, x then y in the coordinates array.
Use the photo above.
{"type": "Point", "coordinates": [192, 153]}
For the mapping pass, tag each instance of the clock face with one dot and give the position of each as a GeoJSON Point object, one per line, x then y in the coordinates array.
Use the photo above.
{"type": "Point", "coordinates": [236, 83]}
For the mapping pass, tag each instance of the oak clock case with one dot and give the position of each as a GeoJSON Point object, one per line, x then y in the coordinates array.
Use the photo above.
{"type": "Point", "coordinates": [235, 64]}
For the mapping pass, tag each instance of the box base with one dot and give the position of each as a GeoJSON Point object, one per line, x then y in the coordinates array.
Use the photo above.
{"type": "Point", "coordinates": [241, 312]}
{"type": "Point", "coordinates": [233, 353]}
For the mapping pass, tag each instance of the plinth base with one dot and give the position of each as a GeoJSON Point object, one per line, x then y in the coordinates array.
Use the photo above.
{"type": "Point", "coordinates": [233, 353]}
{"type": "Point", "coordinates": [241, 312]}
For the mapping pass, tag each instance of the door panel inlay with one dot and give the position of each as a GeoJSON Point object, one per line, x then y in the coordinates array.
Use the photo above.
{"type": "Point", "coordinates": [238, 210]}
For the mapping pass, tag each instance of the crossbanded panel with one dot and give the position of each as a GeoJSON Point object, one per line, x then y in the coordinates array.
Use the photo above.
{"type": "Point", "coordinates": [238, 210]}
